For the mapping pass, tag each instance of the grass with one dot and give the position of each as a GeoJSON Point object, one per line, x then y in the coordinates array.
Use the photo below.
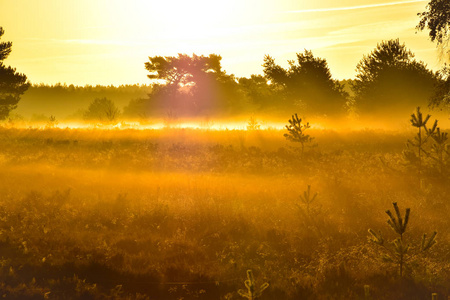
{"type": "Point", "coordinates": [179, 213]}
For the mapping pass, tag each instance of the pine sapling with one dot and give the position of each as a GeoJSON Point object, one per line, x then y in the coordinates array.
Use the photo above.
{"type": "Point", "coordinates": [416, 157]}
{"type": "Point", "coordinates": [307, 199]}
{"type": "Point", "coordinates": [296, 131]}
{"type": "Point", "coordinates": [309, 215]}
{"type": "Point", "coordinates": [427, 244]}
{"type": "Point", "coordinates": [398, 250]}
{"type": "Point", "coordinates": [398, 224]}
{"type": "Point", "coordinates": [418, 121]}
{"type": "Point", "coordinates": [252, 292]}
{"type": "Point", "coordinates": [440, 148]}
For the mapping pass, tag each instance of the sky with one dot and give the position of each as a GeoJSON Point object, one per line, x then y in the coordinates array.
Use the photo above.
{"type": "Point", "coordinates": [108, 41]}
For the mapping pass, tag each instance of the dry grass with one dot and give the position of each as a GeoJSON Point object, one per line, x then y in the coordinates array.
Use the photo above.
{"type": "Point", "coordinates": [184, 213]}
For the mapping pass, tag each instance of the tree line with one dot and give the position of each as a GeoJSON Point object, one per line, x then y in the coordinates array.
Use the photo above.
{"type": "Point", "coordinates": [387, 79]}
{"type": "Point", "coordinates": [70, 102]}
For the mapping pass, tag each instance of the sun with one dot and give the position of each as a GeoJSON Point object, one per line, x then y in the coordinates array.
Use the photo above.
{"type": "Point", "coordinates": [197, 25]}
{"type": "Point", "coordinates": [195, 19]}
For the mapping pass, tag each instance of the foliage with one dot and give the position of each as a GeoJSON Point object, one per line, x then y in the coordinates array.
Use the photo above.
{"type": "Point", "coordinates": [307, 82]}
{"type": "Point", "coordinates": [12, 84]}
{"type": "Point", "coordinates": [398, 251]}
{"type": "Point", "coordinates": [441, 95]}
{"type": "Point", "coordinates": [68, 101]}
{"type": "Point", "coordinates": [418, 121]}
{"type": "Point", "coordinates": [441, 150]}
{"type": "Point", "coordinates": [306, 199]}
{"type": "Point", "coordinates": [193, 85]}
{"type": "Point", "coordinates": [436, 19]}
{"type": "Point", "coordinates": [252, 292]}
{"type": "Point", "coordinates": [259, 92]}
{"type": "Point", "coordinates": [425, 156]}
{"type": "Point", "coordinates": [182, 70]}
{"type": "Point", "coordinates": [171, 237]}
{"type": "Point", "coordinates": [52, 122]}
{"type": "Point", "coordinates": [296, 131]}
{"type": "Point", "coordinates": [102, 110]}
{"type": "Point", "coordinates": [138, 109]}
{"type": "Point", "coordinates": [389, 78]}
{"type": "Point", "coordinates": [310, 216]}
{"type": "Point", "coordinates": [197, 86]}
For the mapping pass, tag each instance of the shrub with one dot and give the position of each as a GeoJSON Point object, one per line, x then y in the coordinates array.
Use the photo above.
{"type": "Point", "coordinates": [102, 110]}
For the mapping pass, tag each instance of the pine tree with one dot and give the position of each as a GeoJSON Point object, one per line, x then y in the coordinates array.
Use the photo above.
{"type": "Point", "coordinates": [12, 84]}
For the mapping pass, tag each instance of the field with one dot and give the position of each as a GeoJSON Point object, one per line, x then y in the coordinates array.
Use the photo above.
{"type": "Point", "coordinates": [184, 213]}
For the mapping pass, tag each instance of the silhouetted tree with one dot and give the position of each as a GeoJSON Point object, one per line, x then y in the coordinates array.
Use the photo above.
{"type": "Point", "coordinates": [102, 110]}
{"type": "Point", "coordinates": [182, 69]}
{"type": "Point", "coordinates": [258, 91]}
{"type": "Point", "coordinates": [307, 83]}
{"type": "Point", "coordinates": [389, 78]}
{"type": "Point", "coordinates": [12, 84]}
{"type": "Point", "coordinates": [436, 19]}
{"type": "Point", "coordinates": [192, 84]}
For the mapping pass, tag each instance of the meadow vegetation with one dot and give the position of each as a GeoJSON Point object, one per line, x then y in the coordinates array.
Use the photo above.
{"type": "Point", "coordinates": [289, 212]}
{"type": "Point", "coordinates": [184, 213]}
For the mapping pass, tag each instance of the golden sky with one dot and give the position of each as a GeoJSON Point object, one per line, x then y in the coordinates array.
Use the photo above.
{"type": "Point", "coordinates": [108, 41]}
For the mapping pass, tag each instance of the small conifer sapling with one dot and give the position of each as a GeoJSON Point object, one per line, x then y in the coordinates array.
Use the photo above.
{"type": "Point", "coordinates": [296, 131]}
{"type": "Point", "coordinates": [253, 292]}
{"type": "Point", "coordinates": [416, 157]}
{"type": "Point", "coordinates": [398, 251]}
{"type": "Point", "coordinates": [440, 149]}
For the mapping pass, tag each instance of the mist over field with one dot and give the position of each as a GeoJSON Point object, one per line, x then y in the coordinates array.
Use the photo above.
{"type": "Point", "coordinates": [253, 168]}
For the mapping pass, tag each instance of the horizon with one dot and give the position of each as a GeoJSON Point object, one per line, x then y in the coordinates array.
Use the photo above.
{"type": "Point", "coordinates": [73, 43]}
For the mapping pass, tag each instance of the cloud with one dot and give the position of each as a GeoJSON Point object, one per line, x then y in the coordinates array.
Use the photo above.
{"type": "Point", "coordinates": [367, 6]}
{"type": "Point", "coordinates": [100, 42]}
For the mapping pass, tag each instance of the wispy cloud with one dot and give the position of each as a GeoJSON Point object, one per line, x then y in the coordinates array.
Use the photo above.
{"type": "Point", "coordinates": [367, 6]}
{"type": "Point", "coordinates": [90, 42]}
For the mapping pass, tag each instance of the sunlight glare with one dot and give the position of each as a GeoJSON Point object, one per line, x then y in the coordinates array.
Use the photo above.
{"type": "Point", "coordinates": [187, 19]}
{"type": "Point", "coordinates": [198, 26]}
